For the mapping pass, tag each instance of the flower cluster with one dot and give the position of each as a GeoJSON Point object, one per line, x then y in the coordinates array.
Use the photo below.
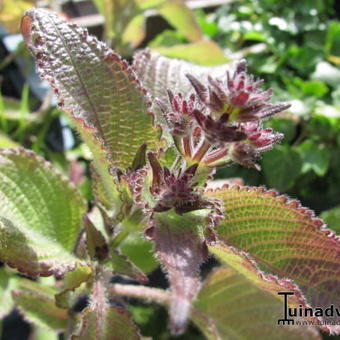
{"type": "Point", "coordinates": [222, 122]}
{"type": "Point", "coordinates": [175, 190]}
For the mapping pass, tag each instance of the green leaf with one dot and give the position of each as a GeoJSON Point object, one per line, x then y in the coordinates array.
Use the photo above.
{"type": "Point", "coordinates": [281, 167]}
{"type": "Point", "coordinates": [134, 33]}
{"type": "Point", "coordinates": [44, 334]}
{"type": "Point", "coordinates": [122, 266]}
{"type": "Point", "coordinates": [6, 142]}
{"type": "Point", "coordinates": [38, 306]}
{"type": "Point", "coordinates": [182, 18]}
{"type": "Point", "coordinates": [285, 239]}
{"type": "Point", "coordinates": [96, 87]}
{"type": "Point", "coordinates": [231, 306]}
{"type": "Point", "coordinates": [332, 218]}
{"type": "Point", "coordinates": [140, 252]}
{"type": "Point", "coordinates": [95, 240]}
{"type": "Point", "coordinates": [285, 126]}
{"type": "Point", "coordinates": [8, 282]}
{"type": "Point", "coordinates": [41, 214]}
{"type": "Point", "coordinates": [72, 280]}
{"type": "Point", "coordinates": [196, 52]}
{"type": "Point", "coordinates": [315, 157]}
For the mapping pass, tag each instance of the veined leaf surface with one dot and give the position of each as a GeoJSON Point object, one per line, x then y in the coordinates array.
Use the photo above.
{"type": "Point", "coordinates": [95, 86]}
{"type": "Point", "coordinates": [231, 306]}
{"type": "Point", "coordinates": [283, 238]}
{"type": "Point", "coordinates": [40, 215]}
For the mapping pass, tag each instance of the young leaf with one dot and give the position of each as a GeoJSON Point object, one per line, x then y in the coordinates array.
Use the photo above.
{"type": "Point", "coordinates": [95, 86]}
{"type": "Point", "coordinates": [40, 309]}
{"type": "Point", "coordinates": [121, 265]}
{"type": "Point", "coordinates": [40, 215]}
{"type": "Point", "coordinates": [230, 306]}
{"type": "Point", "coordinates": [72, 280]}
{"type": "Point", "coordinates": [284, 238]}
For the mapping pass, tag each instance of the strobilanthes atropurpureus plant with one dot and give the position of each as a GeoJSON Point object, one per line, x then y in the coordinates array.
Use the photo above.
{"type": "Point", "coordinates": [155, 150]}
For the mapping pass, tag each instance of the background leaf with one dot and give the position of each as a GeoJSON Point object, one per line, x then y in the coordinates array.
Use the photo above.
{"type": "Point", "coordinates": [182, 18]}
{"type": "Point", "coordinates": [281, 167]}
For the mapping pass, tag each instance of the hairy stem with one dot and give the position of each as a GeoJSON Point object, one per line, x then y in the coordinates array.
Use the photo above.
{"type": "Point", "coordinates": [142, 292]}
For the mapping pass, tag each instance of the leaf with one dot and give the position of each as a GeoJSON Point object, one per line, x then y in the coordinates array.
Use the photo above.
{"type": "Point", "coordinates": [40, 215]}
{"type": "Point", "coordinates": [72, 280]}
{"type": "Point", "coordinates": [181, 249]}
{"type": "Point", "coordinates": [140, 252]}
{"type": "Point", "coordinates": [95, 240]}
{"type": "Point", "coordinates": [8, 282]}
{"type": "Point", "coordinates": [231, 306]}
{"type": "Point", "coordinates": [285, 239]}
{"type": "Point", "coordinates": [332, 218]}
{"type": "Point", "coordinates": [196, 52]}
{"type": "Point", "coordinates": [96, 87]}
{"type": "Point", "coordinates": [134, 33]}
{"type": "Point", "coordinates": [182, 18]}
{"type": "Point", "coordinates": [38, 307]}
{"type": "Point", "coordinates": [11, 12]}
{"type": "Point", "coordinates": [281, 167]}
{"type": "Point", "coordinates": [121, 265]}
{"type": "Point", "coordinates": [104, 321]}
{"type": "Point", "coordinates": [159, 73]}
{"type": "Point", "coordinates": [6, 142]}
{"type": "Point", "coordinates": [315, 157]}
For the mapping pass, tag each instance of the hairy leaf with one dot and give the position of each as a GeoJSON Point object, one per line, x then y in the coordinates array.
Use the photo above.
{"type": "Point", "coordinates": [181, 250]}
{"type": "Point", "coordinates": [38, 307]}
{"type": "Point", "coordinates": [182, 18]}
{"type": "Point", "coordinates": [95, 86]}
{"type": "Point", "coordinates": [139, 251]}
{"type": "Point", "coordinates": [40, 215]}
{"type": "Point", "coordinates": [284, 238]}
{"type": "Point", "coordinates": [104, 321]}
{"type": "Point", "coordinates": [72, 280]}
{"type": "Point", "coordinates": [159, 73]}
{"type": "Point", "coordinates": [121, 265]}
{"type": "Point", "coordinates": [231, 306]}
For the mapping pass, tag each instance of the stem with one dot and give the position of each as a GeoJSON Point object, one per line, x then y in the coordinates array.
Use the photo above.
{"type": "Point", "coordinates": [159, 295]}
{"type": "Point", "coordinates": [202, 149]}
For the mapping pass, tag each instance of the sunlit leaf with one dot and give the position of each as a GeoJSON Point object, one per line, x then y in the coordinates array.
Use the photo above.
{"type": "Point", "coordinates": [237, 302]}
{"type": "Point", "coordinates": [96, 87]}
{"type": "Point", "coordinates": [285, 239]}
{"type": "Point", "coordinates": [196, 52]}
{"type": "Point", "coordinates": [41, 214]}
{"type": "Point", "coordinates": [182, 18]}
